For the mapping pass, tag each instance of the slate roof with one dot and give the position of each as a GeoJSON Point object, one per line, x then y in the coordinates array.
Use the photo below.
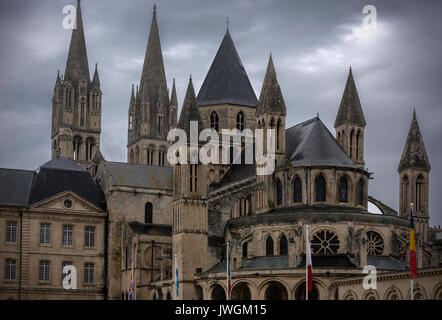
{"type": "Point", "coordinates": [335, 261]}
{"type": "Point", "coordinates": [227, 81]}
{"type": "Point", "coordinates": [24, 188]}
{"type": "Point", "coordinates": [414, 154]}
{"type": "Point", "coordinates": [151, 229]}
{"type": "Point", "coordinates": [141, 176]}
{"type": "Point", "coordinates": [282, 263]}
{"type": "Point", "coordinates": [60, 175]}
{"type": "Point", "coordinates": [350, 110]}
{"type": "Point", "coordinates": [311, 143]}
{"type": "Point", "coordinates": [386, 263]}
{"type": "Point", "coordinates": [15, 187]}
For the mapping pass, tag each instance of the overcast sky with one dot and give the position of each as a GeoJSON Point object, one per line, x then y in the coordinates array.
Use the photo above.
{"type": "Point", "coordinates": [313, 43]}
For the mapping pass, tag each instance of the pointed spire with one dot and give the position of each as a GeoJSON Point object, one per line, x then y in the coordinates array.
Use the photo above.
{"type": "Point", "coordinates": [350, 110]}
{"type": "Point", "coordinates": [227, 81]}
{"type": "Point", "coordinates": [173, 98]}
{"type": "Point", "coordinates": [414, 155]}
{"type": "Point", "coordinates": [77, 66]}
{"type": "Point", "coordinates": [271, 99]}
{"type": "Point", "coordinates": [58, 80]}
{"type": "Point", "coordinates": [96, 79]}
{"type": "Point", "coordinates": [153, 77]}
{"type": "Point", "coordinates": [190, 111]}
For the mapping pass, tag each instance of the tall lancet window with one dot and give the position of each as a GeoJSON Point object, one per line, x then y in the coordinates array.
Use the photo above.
{"type": "Point", "coordinates": [214, 121]}
{"type": "Point", "coordinates": [343, 189]}
{"type": "Point", "coordinates": [240, 121]}
{"type": "Point", "coordinates": [352, 133]}
{"type": "Point", "coordinates": [358, 144]}
{"type": "Point", "coordinates": [283, 246]}
{"type": "Point", "coordinates": [278, 134]}
{"type": "Point", "coordinates": [320, 189]}
{"type": "Point", "coordinates": [360, 192]}
{"type": "Point", "coordinates": [269, 246]}
{"type": "Point", "coordinates": [405, 193]}
{"type": "Point", "coordinates": [419, 194]}
{"type": "Point", "coordinates": [278, 192]}
{"type": "Point", "coordinates": [76, 147]}
{"type": "Point", "coordinates": [82, 112]}
{"type": "Point", "coordinates": [297, 190]}
{"type": "Point", "coordinates": [148, 213]}
{"type": "Point", "coordinates": [160, 125]}
{"type": "Point", "coordinates": [193, 178]}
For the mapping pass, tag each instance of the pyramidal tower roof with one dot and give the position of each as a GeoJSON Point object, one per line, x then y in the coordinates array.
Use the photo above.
{"type": "Point", "coordinates": [414, 155]}
{"type": "Point", "coordinates": [350, 110]}
{"type": "Point", "coordinates": [227, 81]}
{"type": "Point", "coordinates": [77, 66]}
{"type": "Point", "coordinates": [271, 99]}
{"type": "Point", "coordinates": [189, 111]}
{"type": "Point", "coordinates": [153, 76]}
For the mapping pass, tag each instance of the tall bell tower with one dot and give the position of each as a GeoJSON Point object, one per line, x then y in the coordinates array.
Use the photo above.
{"type": "Point", "coordinates": [76, 104]}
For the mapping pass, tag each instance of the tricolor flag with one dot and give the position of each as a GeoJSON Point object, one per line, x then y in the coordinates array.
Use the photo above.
{"type": "Point", "coordinates": [309, 270]}
{"type": "Point", "coordinates": [229, 275]}
{"type": "Point", "coordinates": [413, 265]}
{"type": "Point", "coordinates": [177, 281]}
{"type": "Point", "coordinates": [131, 284]}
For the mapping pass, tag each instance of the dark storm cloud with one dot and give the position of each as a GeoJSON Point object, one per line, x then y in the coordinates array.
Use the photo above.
{"type": "Point", "coordinates": [312, 42]}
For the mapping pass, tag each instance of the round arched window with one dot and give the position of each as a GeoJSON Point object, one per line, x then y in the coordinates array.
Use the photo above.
{"type": "Point", "coordinates": [325, 241]}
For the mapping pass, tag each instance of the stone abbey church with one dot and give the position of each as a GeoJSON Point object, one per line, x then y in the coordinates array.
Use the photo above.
{"type": "Point", "coordinates": [108, 218]}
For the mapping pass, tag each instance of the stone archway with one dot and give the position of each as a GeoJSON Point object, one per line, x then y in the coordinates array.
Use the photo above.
{"type": "Point", "coordinates": [217, 292]}
{"type": "Point", "coordinates": [300, 292]}
{"type": "Point", "coordinates": [275, 291]}
{"type": "Point", "coordinates": [241, 291]}
{"type": "Point", "coordinates": [199, 293]}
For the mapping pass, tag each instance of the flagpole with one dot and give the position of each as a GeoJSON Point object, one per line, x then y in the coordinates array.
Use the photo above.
{"type": "Point", "coordinates": [411, 276]}
{"type": "Point", "coordinates": [227, 267]}
{"type": "Point", "coordinates": [306, 266]}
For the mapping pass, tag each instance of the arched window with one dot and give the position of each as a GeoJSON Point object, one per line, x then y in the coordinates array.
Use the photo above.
{"type": "Point", "coordinates": [269, 246]}
{"type": "Point", "coordinates": [320, 188]}
{"type": "Point", "coordinates": [324, 242]}
{"type": "Point", "coordinates": [278, 192]}
{"type": "Point", "coordinates": [137, 155]}
{"type": "Point", "coordinates": [375, 244]}
{"type": "Point", "coordinates": [148, 213]}
{"type": "Point", "coordinates": [352, 133]}
{"type": "Point", "coordinates": [360, 192]}
{"type": "Point", "coordinates": [283, 246]}
{"type": "Point", "coordinates": [76, 147]}
{"type": "Point", "coordinates": [358, 140]}
{"type": "Point", "coordinates": [244, 249]}
{"type": "Point", "coordinates": [82, 104]}
{"type": "Point", "coordinates": [419, 193]}
{"type": "Point", "coordinates": [297, 190]}
{"type": "Point", "coordinates": [343, 190]}
{"type": "Point", "coordinates": [405, 194]}
{"type": "Point", "coordinates": [214, 122]}
{"type": "Point", "coordinates": [240, 121]}
{"type": "Point", "coordinates": [278, 134]}
{"type": "Point", "coordinates": [90, 142]}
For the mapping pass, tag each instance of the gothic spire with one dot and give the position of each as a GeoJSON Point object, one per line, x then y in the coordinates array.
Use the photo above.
{"type": "Point", "coordinates": [190, 111]}
{"type": "Point", "coordinates": [96, 79]}
{"type": "Point", "coordinates": [227, 81]}
{"type": "Point", "coordinates": [77, 66]}
{"type": "Point", "coordinates": [271, 99]}
{"type": "Point", "coordinates": [414, 155]}
{"type": "Point", "coordinates": [350, 110]}
{"type": "Point", "coordinates": [153, 76]}
{"type": "Point", "coordinates": [173, 98]}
